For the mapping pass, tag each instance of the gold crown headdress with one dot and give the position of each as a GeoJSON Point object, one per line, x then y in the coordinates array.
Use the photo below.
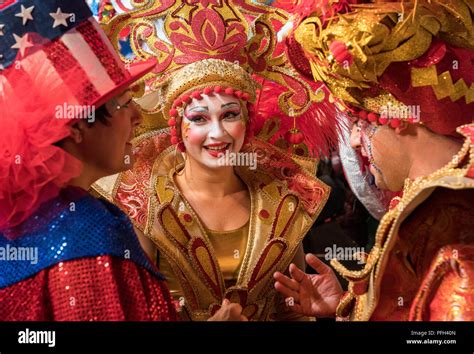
{"type": "Point", "coordinates": [391, 60]}
{"type": "Point", "coordinates": [208, 44]}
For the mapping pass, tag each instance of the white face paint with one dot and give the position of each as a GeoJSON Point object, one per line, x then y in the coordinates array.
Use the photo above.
{"type": "Point", "coordinates": [211, 127]}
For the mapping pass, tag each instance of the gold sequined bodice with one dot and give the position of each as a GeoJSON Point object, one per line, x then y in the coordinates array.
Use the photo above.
{"type": "Point", "coordinates": [229, 247]}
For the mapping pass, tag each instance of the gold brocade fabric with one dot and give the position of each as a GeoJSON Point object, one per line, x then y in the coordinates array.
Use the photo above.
{"type": "Point", "coordinates": [286, 198]}
{"type": "Point", "coordinates": [229, 248]}
{"type": "Point", "coordinates": [381, 34]}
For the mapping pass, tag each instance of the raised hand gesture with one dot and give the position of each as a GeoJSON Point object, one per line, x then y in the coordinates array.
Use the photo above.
{"type": "Point", "coordinates": [311, 294]}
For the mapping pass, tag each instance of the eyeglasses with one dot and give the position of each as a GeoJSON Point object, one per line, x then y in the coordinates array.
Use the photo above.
{"type": "Point", "coordinates": [120, 106]}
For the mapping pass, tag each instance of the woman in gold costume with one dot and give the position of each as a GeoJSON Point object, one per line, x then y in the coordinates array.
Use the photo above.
{"type": "Point", "coordinates": [218, 209]}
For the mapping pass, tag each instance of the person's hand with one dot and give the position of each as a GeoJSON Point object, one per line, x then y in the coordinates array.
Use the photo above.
{"type": "Point", "coordinates": [310, 294]}
{"type": "Point", "coordinates": [229, 312]}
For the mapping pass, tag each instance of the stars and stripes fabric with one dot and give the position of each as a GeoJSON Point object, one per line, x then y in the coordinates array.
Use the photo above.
{"type": "Point", "coordinates": [64, 36]}
{"type": "Point", "coordinates": [48, 19]}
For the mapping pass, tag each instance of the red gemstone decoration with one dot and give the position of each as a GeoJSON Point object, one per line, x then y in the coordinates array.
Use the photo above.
{"type": "Point", "coordinates": [264, 214]}
{"type": "Point", "coordinates": [187, 218]}
{"type": "Point", "coordinates": [294, 137]}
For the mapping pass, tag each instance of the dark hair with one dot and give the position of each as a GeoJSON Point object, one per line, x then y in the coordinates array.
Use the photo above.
{"type": "Point", "coordinates": [101, 115]}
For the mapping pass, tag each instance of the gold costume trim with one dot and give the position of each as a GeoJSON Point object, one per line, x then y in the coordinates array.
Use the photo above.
{"type": "Point", "coordinates": [452, 176]}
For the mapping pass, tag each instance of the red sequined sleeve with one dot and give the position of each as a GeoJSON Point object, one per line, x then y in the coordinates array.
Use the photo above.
{"type": "Point", "coordinates": [103, 288]}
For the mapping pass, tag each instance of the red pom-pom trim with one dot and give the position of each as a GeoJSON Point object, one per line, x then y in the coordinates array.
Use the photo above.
{"type": "Point", "coordinates": [245, 96]}
{"type": "Point", "coordinates": [196, 95]}
{"type": "Point", "coordinates": [174, 140]}
{"type": "Point", "coordinates": [173, 131]}
{"type": "Point", "coordinates": [383, 120]}
{"type": "Point", "coordinates": [186, 99]}
{"type": "Point", "coordinates": [207, 91]}
{"type": "Point", "coordinates": [395, 123]}
{"type": "Point", "coordinates": [177, 102]}
{"type": "Point", "coordinates": [217, 89]}
{"type": "Point", "coordinates": [181, 147]}
{"type": "Point", "coordinates": [172, 122]}
{"type": "Point", "coordinates": [173, 112]}
{"type": "Point", "coordinates": [372, 117]}
{"type": "Point", "coordinates": [229, 91]}
{"type": "Point", "coordinates": [362, 115]}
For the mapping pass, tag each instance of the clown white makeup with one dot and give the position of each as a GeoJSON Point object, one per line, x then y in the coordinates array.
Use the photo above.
{"type": "Point", "coordinates": [211, 126]}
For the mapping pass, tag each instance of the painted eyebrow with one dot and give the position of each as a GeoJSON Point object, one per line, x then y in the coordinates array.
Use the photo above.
{"type": "Point", "coordinates": [205, 108]}
{"type": "Point", "coordinates": [199, 108]}
{"type": "Point", "coordinates": [229, 104]}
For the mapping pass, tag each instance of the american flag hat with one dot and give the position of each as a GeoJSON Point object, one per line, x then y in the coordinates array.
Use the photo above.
{"type": "Point", "coordinates": [52, 54]}
{"type": "Point", "coordinates": [64, 35]}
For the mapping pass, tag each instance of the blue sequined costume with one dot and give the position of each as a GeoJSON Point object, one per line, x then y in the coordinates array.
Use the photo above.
{"type": "Point", "coordinates": [78, 258]}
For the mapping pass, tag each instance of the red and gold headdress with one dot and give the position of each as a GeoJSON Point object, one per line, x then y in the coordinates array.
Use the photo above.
{"type": "Point", "coordinates": [397, 61]}
{"type": "Point", "coordinates": [221, 46]}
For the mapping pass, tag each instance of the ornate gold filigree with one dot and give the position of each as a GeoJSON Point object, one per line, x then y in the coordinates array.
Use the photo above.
{"type": "Point", "coordinates": [179, 33]}
{"type": "Point", "coordinates": [384, 33]}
